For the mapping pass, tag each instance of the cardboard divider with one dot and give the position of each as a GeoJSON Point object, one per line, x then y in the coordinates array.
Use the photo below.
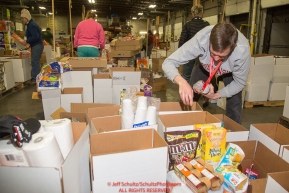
{"type": "Point", "coordinates": [179, 106]}
{"type": "Point", "coordinates": [82, 107]}
{"type": "Point", "coordinates": [81, 117]}
{"type": "Point", "coordinates": [278, 182]}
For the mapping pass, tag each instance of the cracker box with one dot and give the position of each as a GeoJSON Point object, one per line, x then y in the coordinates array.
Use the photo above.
{"type": "Point", "coordinates": [214, 144]}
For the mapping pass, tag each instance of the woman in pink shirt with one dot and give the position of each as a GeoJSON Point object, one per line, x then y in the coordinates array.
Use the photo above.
{"type": "Point", "coordinates": [89, 37]}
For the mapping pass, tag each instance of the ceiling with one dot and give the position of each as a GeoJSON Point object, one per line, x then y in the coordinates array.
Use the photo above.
{"type": "Point", "coordinates": [104, 8]}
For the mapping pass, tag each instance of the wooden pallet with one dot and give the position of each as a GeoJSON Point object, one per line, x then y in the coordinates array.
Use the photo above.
{"type": "Point", "coordinates": [264, 103]}
{"type": "Point", "coordinates": [18, 86]}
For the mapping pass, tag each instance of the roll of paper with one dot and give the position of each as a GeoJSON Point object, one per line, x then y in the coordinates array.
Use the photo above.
{"type": "Point", "coordinates": [11, 155]}
{"type": "Point", "coordinates": [62, 130]}
{"type": "Point", "coordinates": [43, 151]}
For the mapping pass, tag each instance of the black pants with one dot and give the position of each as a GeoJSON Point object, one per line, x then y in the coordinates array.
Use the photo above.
{"type": "Point", "coordinates": [234, 103]}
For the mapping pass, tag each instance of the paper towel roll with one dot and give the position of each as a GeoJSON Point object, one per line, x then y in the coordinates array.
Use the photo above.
{"type": "Point", "coordinates": [43, 151]}
{"type": "Point", "coordinates": [62, 130]}
{"type": "Point", "coordinates": [58, 53]}
{"type": "Point", "coordinates": [11, 155]}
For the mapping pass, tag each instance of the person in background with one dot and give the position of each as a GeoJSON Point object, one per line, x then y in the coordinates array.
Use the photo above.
{"type": "Point", "coordinates": [89, 37]}
{"type": "Point", "coordinates": [150, 43]}
{"type": "Point", "coordinates": [189, 30]}
{"type": "Point", "coordinates": [47, 36]}
{"type": "Point", "coordinates": [34, 41]}
{"type": "Point", "coordinates": [221, 48]}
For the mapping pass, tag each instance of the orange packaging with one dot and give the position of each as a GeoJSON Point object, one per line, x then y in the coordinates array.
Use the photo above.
{"type": "Point", "coordinates": [18, 38]}
{"type": "Point", "coordinates": [142, 63]}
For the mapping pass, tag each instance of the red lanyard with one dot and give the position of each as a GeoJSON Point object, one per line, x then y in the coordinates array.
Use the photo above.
{"type": "Point", "coordinates": [211, 73]}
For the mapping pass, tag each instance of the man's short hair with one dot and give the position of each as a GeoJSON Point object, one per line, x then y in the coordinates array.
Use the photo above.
{"type": "Point", "coordinates": [223, 35]}
{"type": "Point", "coordinates": [48, 29]}
{"type": "Point", "coordinates": [197, 10]}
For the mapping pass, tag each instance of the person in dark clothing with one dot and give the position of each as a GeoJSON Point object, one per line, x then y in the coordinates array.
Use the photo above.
{"type": "Point", "coordinates": [47, 36]}
{"type": "Point", "coordinates": [150, 43]}
{"type": "Point", "coordinates": [34, 41]}
{"type": "Point", "coordinates": [189, 30]}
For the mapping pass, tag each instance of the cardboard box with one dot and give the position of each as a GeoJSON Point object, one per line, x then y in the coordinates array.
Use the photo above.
{"type": "Point", "coordinates": [87, 62]}
{"type": "Point", "coordinates": [79, 79]}
{"type": "Point", "coordinates": [71, 95]}
{"type": "Point", "coordinates": [282, 61]}
{"type": "Point", "coordinates": [136, 42]}
{"type": "Point", "coordinates": [286, 104]}
{"type": "Point", "coordinates": [235, 131]}
{"type": "Point", "coordinates": [114, 160]}
{"type": "Point", "coordinates": [157, 64]}
{"type": "Point", "coordinates": [9, 80]}
{"type": "Point", "coordinates": [125, 78]}
{"type": "Point", "coordinates": [75, 171]}
{"type": "Point", "coordinates": [50, 102]}
{"type": "Point", "coordinates": [285, 155]}
{"type": "Point", "coordinates": [272, 135]}
{"type": "Point", "coordinates": [281, 70]}
{"type": "Point", "coordinates": [158, 84]}
{"type": "Point", "coordinates": [277, 182]}
{"type": "Point", "coordinates": [261, 67]}
{"type": "Point", "coordinates": [21, 69]}
{"type": "Point", "coordinates": [257, 185]}
{"type": "Point", "coordinates": [2, 52]}
{"type": "Point", "coordinates": [81, 117]}
{"type": "Point", "coordinates": [128, 48]}
{"type": "Point", "coordinates": [178, 107]}
{"type": "Point", "coordinates": [82, 107]}
{"type": "Point", "coordinates": [7, 66]}
{"type": "Point", "coordinates": [185, 121]}
{"type": "Point", "coordinates": [122, 53]}
{"type": "Point", "coordinates": [277, 91]}
{"type": "Point", "coordinates": [56, 114]}
{"type": "Point", "coordinates": [102, 84]}
{"type": "Point", "coordinates": [65, 40]}
{"type": "Point", "coordinates": [256, 92]}
{"type": "Point", "coordinates": [112, 123]}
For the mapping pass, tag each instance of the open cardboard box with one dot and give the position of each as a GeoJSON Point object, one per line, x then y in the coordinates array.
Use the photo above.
{"type": "Point", "coordinates": [81, 117]}
{"type": "Point", "coordinates": [285, 155]}
{"type": "Point", "coordinates": [277, 182]}
{"type": "Point", "coordinates": [71, 95]}
{"type": "Point", "coordinates": [133, 156]}
{"type": "Point", "coordinates": [272, 135]}
{"type": "Point", "coordinates": [75, 171]}
{"type": "Point", "coordinates": [236, 131]}
{"type": "Point", "coordinates": [185, 121]}
{"type": "Point", "coordinates": [178, 107]}
{"type": "Point", "coordinates": [78, 62]}
{"type": "Point", "coordinates": [265, 162]}
{"type": "Point", "coordinates": [112, 123]}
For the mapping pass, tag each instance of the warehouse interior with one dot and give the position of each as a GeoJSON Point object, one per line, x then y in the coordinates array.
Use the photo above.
{"type": "Point", "coordinates": [87, 121]}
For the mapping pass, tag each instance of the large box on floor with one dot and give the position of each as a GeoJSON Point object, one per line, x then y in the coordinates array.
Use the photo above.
{"type": "Point", "coordinates": [235, 131]}
{"type": "Point", "coordinates": [272, 135]}
{"type": "Point", "coordinates": [75, 171]}
{"type": "Point", "coordinates": [277, 91]}
{"type": "Point", "coordinates": [185, 121]}
{"type": "Point", "coordinates": [277, 182]}
{"type": "Point", "coordinates": [256, 92]}
{"type": "Point", "coordinates": [261, 67]}
{"type": "Point", "coordinates": [130, 157]}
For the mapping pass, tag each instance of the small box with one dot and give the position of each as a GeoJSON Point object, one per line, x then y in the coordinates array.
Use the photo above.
{"type": "Point", "coordinates": [87, 62]}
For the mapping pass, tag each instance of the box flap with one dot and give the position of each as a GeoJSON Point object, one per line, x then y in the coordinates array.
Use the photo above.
{"type": "Point", "coordinates": [72, 90]}
{"type": "Point", "coordinates": [257, 185]}
{"type": "Point", "coordinates": [248, 147]}
{"type": "Point", "coordinates": [77, 129]}
{"type": "Point", "coordinates": [52, 93]}
{"type": "Point", "coordinates": [281, 135]}
{"type": "Point", "coordinates": [229, 123]}
{"type": "Point", "coordinates": [269, 160]}
{"type": "Point", "coordinates": [101, 76]}
{"type": "Point", "coordinates": [106, 124]}
{"type": "Point", "coordinates": [267, 128]}
{"type": "Point", "coordinates": [82, 107]}
{"type": "Point", "coordinates": [117, 142]}
{"type": "Point", "coordinates": [102, 111]}
{"type": "Point", "coordinates": [281, 178]}
{"type": "Point", "coordinates": [56, 114]}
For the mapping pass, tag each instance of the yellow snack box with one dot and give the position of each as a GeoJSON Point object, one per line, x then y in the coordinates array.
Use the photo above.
{"type": "Point", "coordinates": [202, 127]}
{"type": "Point", "coordinates": [214, 144]}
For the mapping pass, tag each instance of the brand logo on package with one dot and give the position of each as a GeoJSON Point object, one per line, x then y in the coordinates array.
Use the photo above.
{"type": "Point", "coordinates": [119, 78]}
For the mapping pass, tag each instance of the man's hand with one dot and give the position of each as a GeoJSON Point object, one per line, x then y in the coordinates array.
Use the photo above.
{"type": "Point", "coordinates": [185, 90]}
{"type": "Point", "coordinates": [211, 94]}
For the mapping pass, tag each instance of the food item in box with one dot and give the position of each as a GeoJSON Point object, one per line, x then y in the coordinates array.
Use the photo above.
{"type": "Point", "coordinates": [235, 180]}
{"type": "Point", "coordinates": [252, 174]}
{"type": "Point", "coordinates": [190, 179]}
{"type": "Point", "coordinates": [202, 127]}
{"type": "Point", "coordinates": [214, 180]}
{"type": "Point", "coordinates": [214, 144]}
{"type": "Point", "coordinates": [182, 146]}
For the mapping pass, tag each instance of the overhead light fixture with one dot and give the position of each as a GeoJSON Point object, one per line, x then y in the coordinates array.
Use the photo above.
{"type": "Point", "coordinates": [50, 13]}
{"type": "Point", "coordinates": [152, 6]}
{"type": "Point", "coordinates": [91, 1]}
{"type": "Point", "coordinates": [42, 8]}
{"type": "Point", "coordinates": [140, 13]}
{"type": "Point", "coordinates": [93, 10]}
{"type": "Point", "coordinates": [134, 18]}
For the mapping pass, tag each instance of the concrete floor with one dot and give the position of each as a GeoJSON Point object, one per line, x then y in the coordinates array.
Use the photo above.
{"type": "Point", "coordinates": [20, 104]}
